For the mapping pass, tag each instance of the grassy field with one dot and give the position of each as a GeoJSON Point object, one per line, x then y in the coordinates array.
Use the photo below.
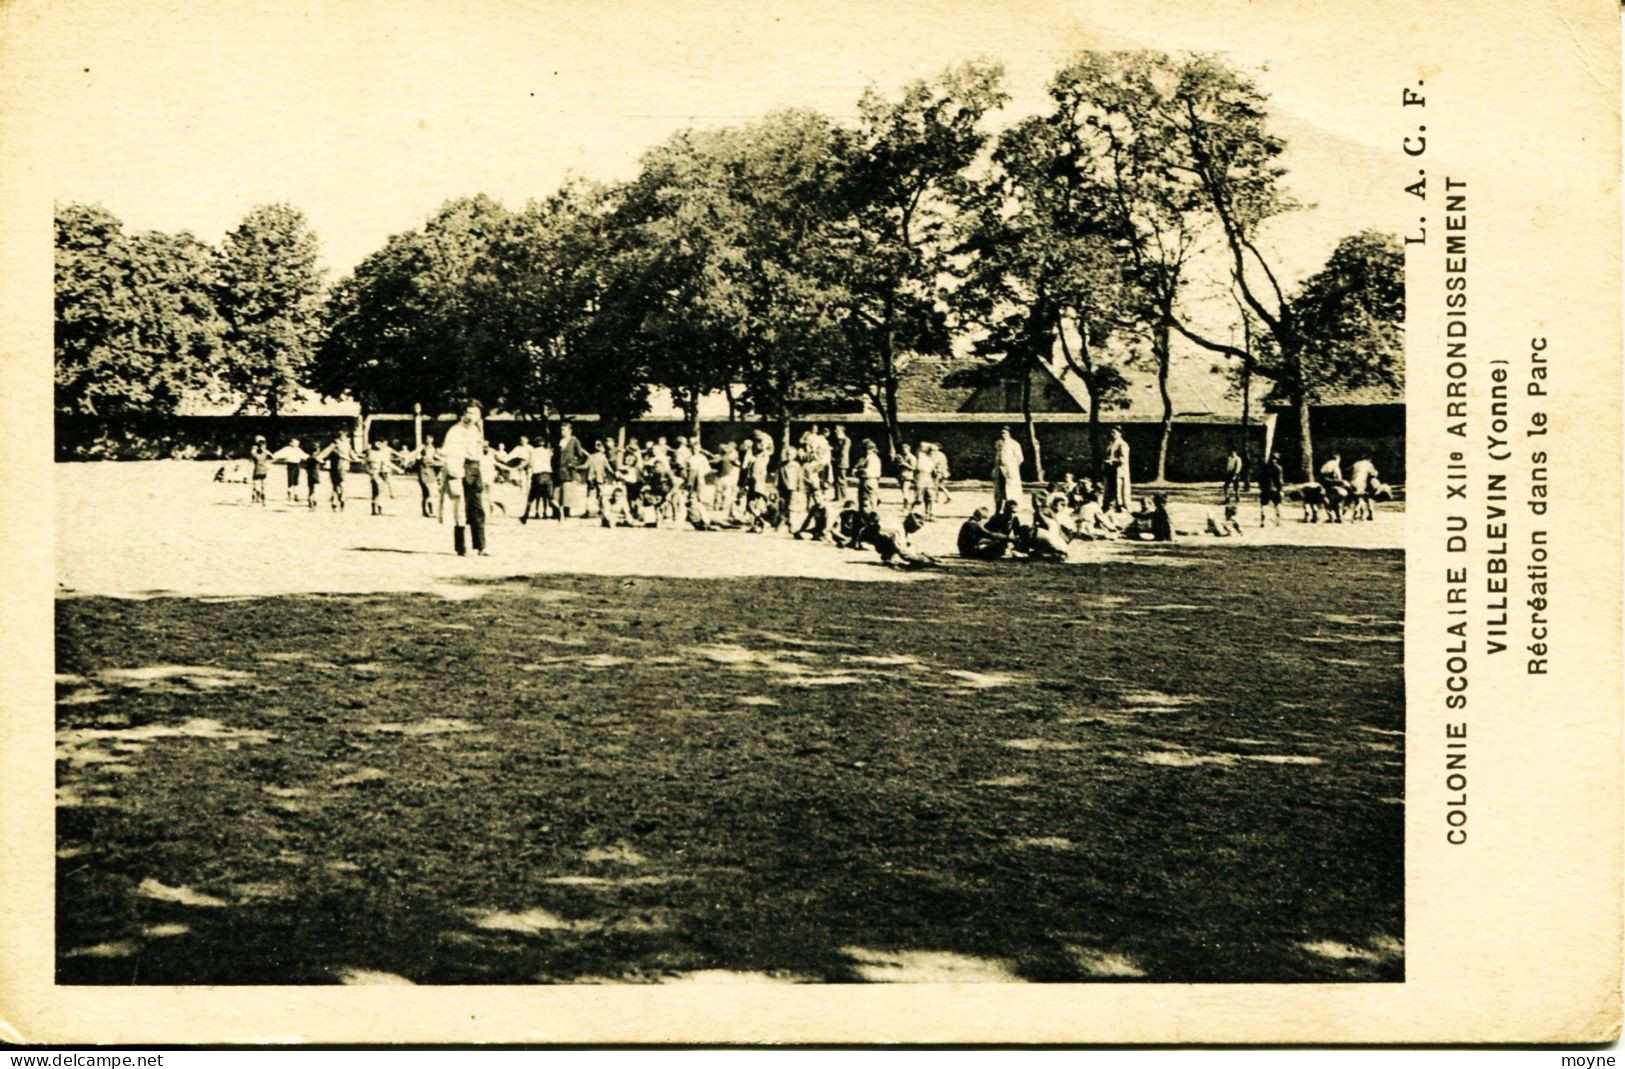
{"type": "Point", "coordinates": [1185, 767]}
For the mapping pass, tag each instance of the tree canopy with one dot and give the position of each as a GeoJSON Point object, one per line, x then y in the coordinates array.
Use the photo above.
{"type": "Point", "coordinates": [136, 326]}
{"type": "Point", "coordinates": [268, 288]}
{"type": "Point", "coordinates": [905, 172]}
{"type": "Point", "coordinates": [1351, 314]}
{"type": "Point", "coordinates": [792, 260]}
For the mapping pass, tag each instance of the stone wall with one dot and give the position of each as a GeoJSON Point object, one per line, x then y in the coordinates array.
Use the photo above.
{"type": "Point", "coordinates": [1196, 450]}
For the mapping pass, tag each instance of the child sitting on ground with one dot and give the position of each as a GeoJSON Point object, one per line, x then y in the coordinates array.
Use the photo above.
{"type": "Point", "coordinates": [816, 522]}
{"type": "Point", "coordinates": [763, 509]}
{"type": "Point", "coordinates": [894, 546]}
{"type": "Point", "coordinates": [1151, 522]}
{"type": "Point", "coordinates": [848, 526]}
{"type": "Point", "coordinates": [698, 517]}
{"type": "Point", "coordinates": [1227, 527]}
{"type": "Point", "coordinates": [1090, 521]}
{"type": "Point", "coordinates": [613, 511]}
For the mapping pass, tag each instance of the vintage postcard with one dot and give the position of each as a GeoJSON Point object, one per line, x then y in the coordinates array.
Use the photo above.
{"type": "Point", "coordinates": [935, 522]}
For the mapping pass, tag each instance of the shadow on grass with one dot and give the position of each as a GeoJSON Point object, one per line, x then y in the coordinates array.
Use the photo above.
{"type": "Point", "coordinates": [1018, 772]}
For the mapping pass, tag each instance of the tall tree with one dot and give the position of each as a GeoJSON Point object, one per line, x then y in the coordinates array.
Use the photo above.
{"type": "Point", "coordinates": [1038, 259]}
{"type": "Point", "coordinates": [1351, 315]}
{"type": "Point", "coordinates": [1216, 120]}
{"type": "Point", "coordinates": [552, 315]}
{"type": "Point", "coordinates": [470, 359]}
{"type": "Point", "coordinates": [905, 169]}
{"type": "Point", "coordinates": [136, 328]}
{"type": "Point", "coordinates": [773, 291]}
{"type": "Point", "coordinates": [405, 326]}
{"type": "Point", "coordinates": [1115, 108]}
{"type": "Point", "coordinates": [268, 288]}
{"type": "Point", "coordinates": [675, 230]}
{"type": "Point", "coordinates": [371, 321]}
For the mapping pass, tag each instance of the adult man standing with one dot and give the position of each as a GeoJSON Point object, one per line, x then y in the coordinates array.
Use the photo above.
{"type": "Point", "coordinates": [869, 478]}
{"type": "Point", "coordinates": [1119, 488]}
{"type": "Point", "coordinates": [1232, 477]}
{"type": "Point", "coordinates": [1007, 458]}
{"type": "Point", "coordinates": [568, 463]}
{"type": "Point", "coordinates": [461, 454]}
{"type": "Point", "coordinates": [1271, 482]}
{"type": "Point", "coordinates": [840, 459]}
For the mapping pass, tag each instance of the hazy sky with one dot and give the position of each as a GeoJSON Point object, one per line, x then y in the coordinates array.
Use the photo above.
{"type": "Point", "coordinates": [368, 115]}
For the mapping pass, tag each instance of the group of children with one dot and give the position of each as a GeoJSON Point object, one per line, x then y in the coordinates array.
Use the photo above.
{"type": "Point", "coordinates": [1070, 511]}
{"type": "Point", "coordinates": [754, 485]}
{"type": "Point", "coordinates": [1330, 492]}
{"type": "Point", "coordinates": [331, 462]}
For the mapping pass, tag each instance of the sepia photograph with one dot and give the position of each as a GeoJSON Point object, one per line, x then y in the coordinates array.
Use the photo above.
{"type": "Point", "coordinates": [810, 522]}
{"type": "Point", "coordinates": [928, 521]}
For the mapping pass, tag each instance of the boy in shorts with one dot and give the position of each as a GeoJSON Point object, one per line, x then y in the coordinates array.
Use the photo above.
{"type": "Point", "coordinates": [1271, 483]}
{"type": "Point", "coordinates": [260, 455]}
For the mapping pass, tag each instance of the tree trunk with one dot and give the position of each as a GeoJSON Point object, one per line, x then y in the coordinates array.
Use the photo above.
{"type": "Point", "coordinates": [1032, 431]}
{"type": "Point", "coordinates": [888, 414]}
{"type": "Point", "coordinates": [888, 376]}
{"type": "Point", "coordinates": [691, 413]}
{"type": "Point", "coordinates": [1246, 403]}
{"type": "Point", "coordinates": [1085, 368]}
{"type": "Point", "coordinates": [1246, 378]}
{"type": "Point", "coordinates": [1160, 347]}
{"type": "Point", "coordinates": [1306, 446]}
{"type": "Point", "coordinates": [1095, 447]}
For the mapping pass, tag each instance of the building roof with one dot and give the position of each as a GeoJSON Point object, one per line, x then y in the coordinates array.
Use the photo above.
{"type": "Point", "coordinates": [923, 385]}
{"type": "Point", "coordinates": [1197, 389]}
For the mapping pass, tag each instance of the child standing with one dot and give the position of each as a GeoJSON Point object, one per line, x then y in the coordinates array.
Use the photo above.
{"type": "Point", "coordinates": [377, 459]}
{"type": "Point", "coordinates": [260, 455]}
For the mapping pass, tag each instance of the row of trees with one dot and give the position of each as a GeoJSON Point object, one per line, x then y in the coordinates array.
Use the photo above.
{"type": "Point", "coordinates": [786, 261]}
{"type": "Point", "coordinates": [145, 320]}
{"type": "Point", "coordinates": [792, 259]}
